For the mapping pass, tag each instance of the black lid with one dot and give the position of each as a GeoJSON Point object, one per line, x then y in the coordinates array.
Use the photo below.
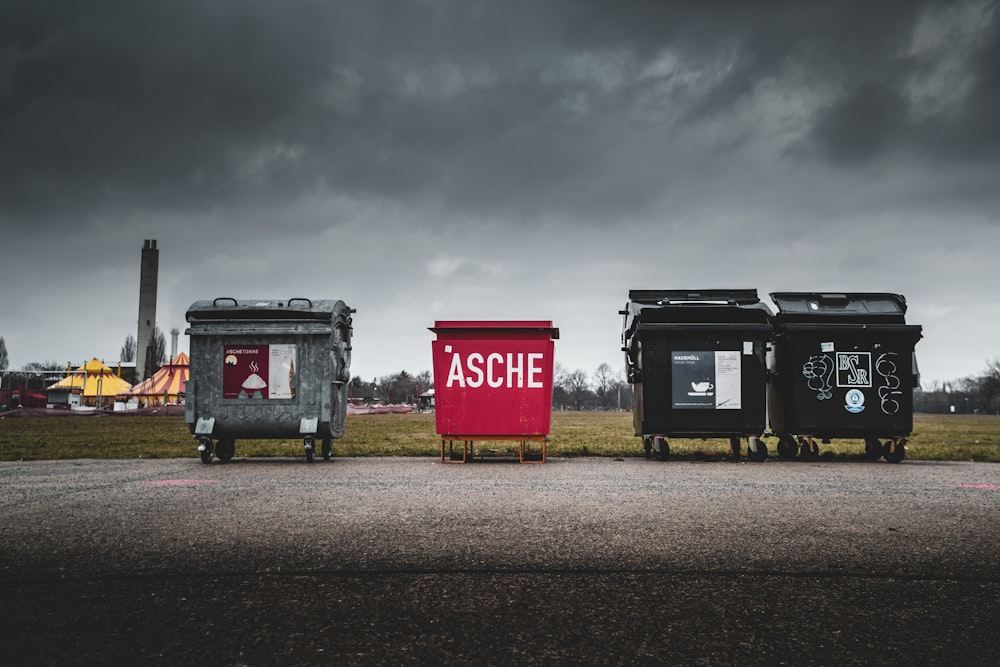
{"type": "Point", "coordinates": [694, 306]}
{"type": "Point", "coordinates": [859, 306]}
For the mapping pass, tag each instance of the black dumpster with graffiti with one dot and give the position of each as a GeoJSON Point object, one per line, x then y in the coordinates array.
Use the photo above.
{"type": "Point", "coordinates": [843, 367]}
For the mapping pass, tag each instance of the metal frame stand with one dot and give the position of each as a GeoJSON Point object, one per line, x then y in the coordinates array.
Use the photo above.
{"type": "Point", "coordinates": [468, 446]}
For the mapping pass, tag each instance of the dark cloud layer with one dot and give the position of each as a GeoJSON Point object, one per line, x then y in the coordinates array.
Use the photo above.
{"type": "Point", "coordinates": [181, 105]}
{"type": "Point", "coordinates": [525, 147]}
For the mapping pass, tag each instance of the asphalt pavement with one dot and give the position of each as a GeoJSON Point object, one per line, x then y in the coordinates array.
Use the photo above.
{"type": "Point", "coordinates": [391, 561]}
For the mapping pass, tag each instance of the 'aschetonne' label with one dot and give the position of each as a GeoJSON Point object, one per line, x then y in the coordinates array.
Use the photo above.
{"type": "Point", "coordinates": [263, 371]}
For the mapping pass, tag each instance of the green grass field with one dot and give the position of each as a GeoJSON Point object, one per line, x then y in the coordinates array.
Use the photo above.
{"type": "Point", "coordinates": [935, 437]}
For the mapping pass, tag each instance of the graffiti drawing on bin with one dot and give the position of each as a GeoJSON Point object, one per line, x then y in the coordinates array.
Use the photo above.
{"type": "Point", "coordinates": [890, 391]}
{"type": "Point", "coordinates": [818, 370]}
{"type": "Point", "coordinates": [854, 371]}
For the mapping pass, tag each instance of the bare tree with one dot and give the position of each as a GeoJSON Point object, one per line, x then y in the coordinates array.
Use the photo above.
{"type": "Point", "coordinates": [384, 388]}
{"type": "Point", "coordinates": [159, 349]}
{"type": "Point", "coordinates": [44, 366]}
{"type": "Point", "coordinates": [156, 354]}
{"type": "Point", "coordinates": [577, 385]}
{"type": "Point", "coordinates": [128, 350]}
{"type": "Point", "coordinates": [402, 387]}
{"type": "Point", "coordinates": [989, 384]}
{"type": "Point", "coordinates": [623, 391]}
{"type": "Point", "coordinates": [604, 384]}
{"type": "Point", "coordinates": [558, 375]}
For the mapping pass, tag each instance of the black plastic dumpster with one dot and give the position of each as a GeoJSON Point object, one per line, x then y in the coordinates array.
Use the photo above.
{"type": "Point", "coordinates": [267, 369]}
{"type": "Point", "coordinates": [844, 367]}
{"type": "Point", "coordinates": [697, 363]}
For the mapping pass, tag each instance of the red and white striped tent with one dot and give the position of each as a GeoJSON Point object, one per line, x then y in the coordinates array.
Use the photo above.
{"type": "Point", "coordinates": [166, 385]}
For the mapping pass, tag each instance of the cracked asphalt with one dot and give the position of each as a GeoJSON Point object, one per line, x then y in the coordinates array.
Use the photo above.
{"type": "Point", "coordinates": [389, 561]}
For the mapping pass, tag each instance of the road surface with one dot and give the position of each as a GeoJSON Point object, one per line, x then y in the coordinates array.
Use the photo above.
{"type": "Point", "coordinates": [578, 561]}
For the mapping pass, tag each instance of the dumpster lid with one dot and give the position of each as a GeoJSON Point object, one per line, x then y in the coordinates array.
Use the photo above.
{"type": "Point", "coordinates": [813, 305]}
{"type": "Point", "coordinates": [296, 308]}
{"type": "Point", "coordinates": [713, 305]}
{"type": "Point", "coordinates": [494, 325]}
{"type": "Point", "coordinates": [742, 297]}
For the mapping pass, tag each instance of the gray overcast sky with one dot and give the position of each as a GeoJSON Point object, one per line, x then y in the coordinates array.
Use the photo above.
{"type": "Point", "coordinates": [533, 159]}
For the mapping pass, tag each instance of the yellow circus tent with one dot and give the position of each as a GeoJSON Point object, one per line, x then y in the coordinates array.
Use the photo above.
{"type": "Point", "coordinates": [94, 381]}
{"type": "Point", "coordinates": [165, 385]}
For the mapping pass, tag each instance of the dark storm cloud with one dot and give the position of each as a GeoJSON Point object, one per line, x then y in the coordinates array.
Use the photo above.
{"type": "Point", "coordinates": [874, 116]}
{"type": "Point", "coordinates": [558, 106]}
{"type": "Point", "coordinates": [864, 123]}
{"type": "Point", "coordinates": [970, 132]}
{"type": "Point", "coordinates": [514, 158]}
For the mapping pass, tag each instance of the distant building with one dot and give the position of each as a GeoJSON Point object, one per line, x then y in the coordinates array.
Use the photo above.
{"type": "Point", "coordinates": [425, 401]}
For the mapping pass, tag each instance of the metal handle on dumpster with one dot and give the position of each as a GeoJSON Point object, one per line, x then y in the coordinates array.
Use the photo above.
{"type": "Point", "coordinates": [224, 298]}
{"type": "Point", "coordinates": [299, 298]}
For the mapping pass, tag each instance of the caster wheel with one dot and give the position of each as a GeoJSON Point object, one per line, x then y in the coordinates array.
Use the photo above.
{"type": "Point", "coordinates": [206, 450]}
{"type": "Point", "coordinates": [661, 448]}
{"type": "Point", "coordinates": [809, 450]}
{"type": "Point", "coordinates": [756, 449]}
{"type": "Point", "coordinates": [787, 447]}
{"type": "Point", "coordinates": [873, 449]}
{"type": "Point", "coordinates": [225, 449]}
{"type": "Point", "coordinates": [894, 450]}
{"type": "Point", "coordinates": [327, 449]}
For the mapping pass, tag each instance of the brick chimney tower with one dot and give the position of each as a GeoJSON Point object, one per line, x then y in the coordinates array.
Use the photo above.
{"type": "Point", "coordinates": [145, 363]}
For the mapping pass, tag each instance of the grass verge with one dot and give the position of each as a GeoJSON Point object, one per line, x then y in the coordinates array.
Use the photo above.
{"type": "Point", "coordinates": [935, 437]}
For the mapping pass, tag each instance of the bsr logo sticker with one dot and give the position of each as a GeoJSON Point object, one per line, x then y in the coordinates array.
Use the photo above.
{"type": "Point", "coordinates": [496, 370]}
{"type": "Point", "coordinates": [854, 369]}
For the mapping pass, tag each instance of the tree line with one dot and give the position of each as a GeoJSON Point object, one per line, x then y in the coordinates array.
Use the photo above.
{"type": "Point", "coordinates": [604, 389]}
{"type": "Point", "coordinates": [975, 394]}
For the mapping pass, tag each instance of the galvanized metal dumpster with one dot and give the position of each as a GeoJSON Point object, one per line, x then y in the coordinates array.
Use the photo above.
{"type": "Point", "coordinates": [267, 369]}
{"type": "Point", "coordinates": [697, 363]}
{"type": "Point", "coordinates": [844, 367]}
{"type": "Point", "coordinates": [493, 381]}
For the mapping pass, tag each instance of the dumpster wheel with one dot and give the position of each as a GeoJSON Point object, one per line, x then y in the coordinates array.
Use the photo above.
{"type": "Point", "coordinates": [756, 449]}
{"type": "Point", "coordinates": [734, 446]}
{"type": "Point", "coordinates": [206, 449]}
{"type": "Point", "coordinates": [661, 448]}
{"type": "Point", "coordinates": [787, 447]}
{"type": "Point", "coordinates": [894, 450]}
{"type": "Point", "coordinates": [647, 446]}
{"type": "Point", "coordinates": [327, 448]}
{"type": "Point", "coordinates": [873, 449]}
{"type": "Point", "coordinates": [809, 450]}
{"type": "Point", "coordinates": [310, 446]}
{"type": "Point", "coordinates": [225, 449]}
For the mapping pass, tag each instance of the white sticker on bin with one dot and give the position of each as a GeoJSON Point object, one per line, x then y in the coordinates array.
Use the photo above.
{"type": "Point", "coordinates": [204, 426]}
{"type": "Point", "coordinates": [748, 347]}
{"type": "Point", "coordinates": [826, 347]}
